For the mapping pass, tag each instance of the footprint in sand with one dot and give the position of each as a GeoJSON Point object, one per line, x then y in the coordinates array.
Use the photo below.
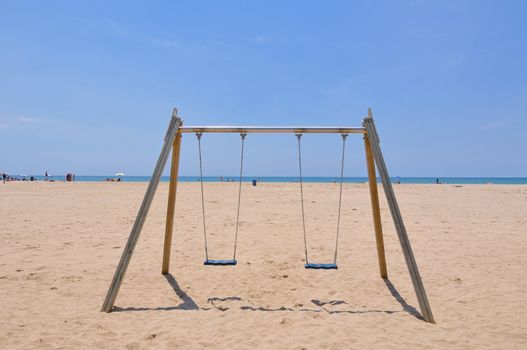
{"type": "Point", "coordinates": [286, 321]}
{"type": "Point", "coordinates": [33, 276]}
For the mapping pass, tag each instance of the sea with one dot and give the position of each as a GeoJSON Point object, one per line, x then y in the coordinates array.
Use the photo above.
{"type": "Point", "coordinates": [311, 179]}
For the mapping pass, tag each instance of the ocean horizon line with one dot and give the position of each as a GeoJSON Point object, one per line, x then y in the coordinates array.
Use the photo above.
{"type": "Point", "coordinates": [281, 179]}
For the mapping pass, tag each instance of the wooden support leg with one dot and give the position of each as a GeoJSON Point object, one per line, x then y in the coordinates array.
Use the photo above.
{"type": "Point", "coordinates": [172, 189]}
{"type": "Point", "coordinates": [373, 138]}
{"type": "Point", "coordinates": [109, 301]}
{"type": "Point", "coordinates": [375, 207]}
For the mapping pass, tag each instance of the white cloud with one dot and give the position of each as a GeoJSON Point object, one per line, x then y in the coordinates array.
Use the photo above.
{"type": "Point", "coordinates": [6, 122]}
{"type": "Point", "coordinates": [27, 120]}
{"type": "Point", "coordinates": [495, 124]}
{"type": "Point", "coordinates": [261, 39]}
{"type": "Point", "coordinates": [133, 35]}
{"type": "Point", "coordinates": [162, 42]}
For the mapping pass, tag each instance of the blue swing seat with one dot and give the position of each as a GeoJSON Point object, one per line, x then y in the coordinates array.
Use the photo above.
{"type": "Point", "coordinates": [220, 262]}
{"type": "Point", "coordinates": [321, 266]}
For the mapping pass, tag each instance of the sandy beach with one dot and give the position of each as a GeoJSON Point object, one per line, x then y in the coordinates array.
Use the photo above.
{"type": "Point", "coordinates": [60, 244]}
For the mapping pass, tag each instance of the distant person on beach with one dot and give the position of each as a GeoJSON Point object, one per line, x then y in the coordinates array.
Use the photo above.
{"type": "Point", "coordinates": [4, 176]}
{"type": "Point", "coordinates": [437, 181]}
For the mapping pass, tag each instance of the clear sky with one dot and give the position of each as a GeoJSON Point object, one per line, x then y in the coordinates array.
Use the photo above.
{"type": "Point", "coordinates": [89, 87]}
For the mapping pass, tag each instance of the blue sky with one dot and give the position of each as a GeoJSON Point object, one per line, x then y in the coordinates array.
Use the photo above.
{"type": "Point", "coordinates": [89, 87]}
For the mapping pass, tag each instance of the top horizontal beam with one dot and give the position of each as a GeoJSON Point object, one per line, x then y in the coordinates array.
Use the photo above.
{"type": "Point", "coordinates": [273, 129]}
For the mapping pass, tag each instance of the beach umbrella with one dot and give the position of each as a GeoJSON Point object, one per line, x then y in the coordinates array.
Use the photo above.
{"type": "Point", "coordinates": [119, 174]}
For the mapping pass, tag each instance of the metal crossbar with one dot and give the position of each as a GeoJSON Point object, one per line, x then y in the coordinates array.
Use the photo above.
{"type": "Point", "coordinates": [273, 129]}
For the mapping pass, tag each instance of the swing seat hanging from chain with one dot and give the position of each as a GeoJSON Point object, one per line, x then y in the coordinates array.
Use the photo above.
{"type": "Point", "coordinates": [220, 262]}
{"type": "Point", "coordinates": [321, 266]}
{"type": "Point", "coordinates": [227, 262]}
{"type": "Point", "coordinates": [329, 266]}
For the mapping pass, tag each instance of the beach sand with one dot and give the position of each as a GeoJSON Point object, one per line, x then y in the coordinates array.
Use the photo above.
{"type": "Point", "coordinates": [60, 244]}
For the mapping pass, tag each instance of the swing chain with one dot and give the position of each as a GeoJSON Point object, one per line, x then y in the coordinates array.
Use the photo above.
{"type": "Point", "coordinates": [344, 137]}
{"type": "Point", "coordinates": [299, 137]}
{"type": "Point", "coordinates": [198, 136]}
{"type": "Point", "coordinates": [242, 135]}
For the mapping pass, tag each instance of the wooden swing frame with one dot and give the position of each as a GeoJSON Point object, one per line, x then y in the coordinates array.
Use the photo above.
{"type": "Point", "coordinates": [374, 159]}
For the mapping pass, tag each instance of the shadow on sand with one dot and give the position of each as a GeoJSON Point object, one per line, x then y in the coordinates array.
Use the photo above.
{"type": "Point", "coordinates": [406, 307]}
{"type": "Point", "coordinates": [188, 304]}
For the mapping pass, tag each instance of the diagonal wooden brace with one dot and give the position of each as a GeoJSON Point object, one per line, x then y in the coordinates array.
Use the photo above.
{"type": "Point", "coordinates": [109, 301]}
{"type": "Point", "coordinates": [373, 138]}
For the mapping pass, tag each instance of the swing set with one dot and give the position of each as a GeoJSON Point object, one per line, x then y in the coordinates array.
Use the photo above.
{"type": "Point", "coordinates": [374, 158]}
